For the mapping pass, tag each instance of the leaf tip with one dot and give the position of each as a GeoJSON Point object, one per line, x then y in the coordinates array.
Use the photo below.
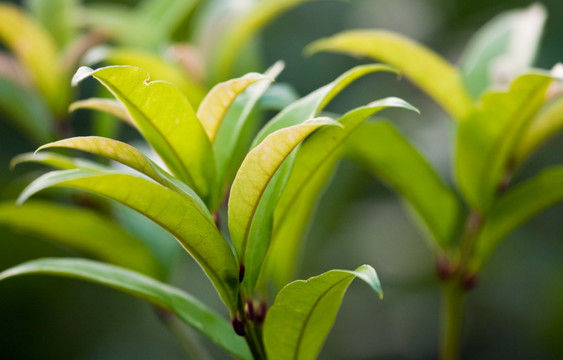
{"type": "Point", "coordinates": [82, 73]}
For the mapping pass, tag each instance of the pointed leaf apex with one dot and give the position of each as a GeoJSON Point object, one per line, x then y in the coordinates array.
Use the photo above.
{"type": "Point", "coordinates": [82, 73]}
{"type": "Point", "coordinates": [323, 120]}
{"type": "Point", "coordinates": [557, 71]}
{"type": "Point", "coordinates": [393, 102]}
{"type": "Point", "coordinates": [368, 274]}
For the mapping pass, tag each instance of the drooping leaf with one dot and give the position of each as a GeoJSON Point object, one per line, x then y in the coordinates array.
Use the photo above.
{"type": "Point", "coordinates": [56, 17]}
{"type": "Point", "coordinates": [110, 106]}
{"type": "Point", "coordinates": [502, 48]}
{"type": "Point", "coordinates": [179, 215]}
{"type": "Point", "coordinates": [303, 313]}
{"type": "Point", "coordinates": [514, 208]}
{"type": "Point", "coordinates": [159, 68]}
{"type": "Point", "coordinates": [310, 105]}
{"type": "Point", "coordinates": [214, 106]}
{"type": "Point", "coordinates": [27, 39]}
{"type": "Point", "coordinates": [188, 309]}
{"type": "Point", "coordinates": [545, 124]}
{"type": "Point", "coordinates": [253, 177]}
{"type": "Point", "coordinates": [382, 150]}
{"type": "Point", "coordinates": [166, 119]}
{"type": "Point", "coordinates": [422, 66]}
{"type": "Point", "coordinates": [81, 230]}
{"type": "Point", "coordinates": [26, 111]}
{"type": "Point", "coordinates": [487, 138]}
{"type": "Point", "coordinates": [57, 161]}
{"type": "Point", "coordinates": [238, 34]}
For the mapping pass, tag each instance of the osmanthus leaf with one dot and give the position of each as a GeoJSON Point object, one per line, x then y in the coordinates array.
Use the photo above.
{"type": "Point", "coordinates": [429, 71]}
{"type": "Point", "coordinates": [26, 39]}
{"type": "Point", "coordinates": [81, 230]}
{"type": "Point", "coordinates": [159, 68]}
{"type": "Point", "coordinates": [57, 161]}
{"type": "Point", "coordinates": [320, 148]}
{"type": "Point", "coordinates": [110, 106]}
{"type": "Point", "coordinates": [214, 106]}
{"type": "Point", "coordinates": [56, 17]}
{"type": "Point", "coordinates": [187, 308]}
{"type": "Point", "coordinates": [383, 151]}
{"type": "Point", "coordinates": [165, 118]}
{"type": "Point", "coordinates": [310, 105]}
{"type": "Point", "coordinates": [502, 48]}
{"type": "Point", "coordinates": [545, 124]}
{"type": "Point", "coordinates": [26, 111]}
{"type": "Point", "coordinates": [515, 207]}
{"type": "Point", "coordinates": [179, 215]}
{"type": "Point", "coordinates": [129, 156]}
{"type": "Point", "coordinates": [488, 137]}
{"type": "Point", "coordinates": [304, 311]}
{"type": "Point", "coordinates": [254, 175]}
{"type": "Point", "coordinates": [238, 34]}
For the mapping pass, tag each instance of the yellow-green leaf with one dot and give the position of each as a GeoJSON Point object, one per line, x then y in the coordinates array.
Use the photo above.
{"type": "Point", "coordinates": [422, 66]}
{"type": "Point", "coordinates": [110, 106]}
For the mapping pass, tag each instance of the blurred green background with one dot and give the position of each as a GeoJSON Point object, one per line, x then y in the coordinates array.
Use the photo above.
{"type": "Point", "coordinates": [516, 311]}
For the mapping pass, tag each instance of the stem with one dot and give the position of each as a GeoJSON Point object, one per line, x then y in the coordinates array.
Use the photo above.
{"type": "Point", "coordinates": [452, 320]}
{"type": "Point", "coordinates": [252, 334]}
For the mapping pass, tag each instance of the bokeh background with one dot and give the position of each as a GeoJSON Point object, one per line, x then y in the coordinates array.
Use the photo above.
{"type": "Point", "coordinates": [516, 311]}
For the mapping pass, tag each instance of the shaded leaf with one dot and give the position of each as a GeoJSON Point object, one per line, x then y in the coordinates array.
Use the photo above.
{"type": "Point", "coordinates": [429, 71]}
{"type": "Point", "coordinates": [81, 230]}
{"type": "Point", "coordinates": [187, 308]}
{"type": "Point", "coordinates": [179, 215]}
{"type": "Point", "coordinates": [110, 106]}
{"type": "Point", "coordinates": [165, 118]}
{"type": "Point", "coordinates": [303, 313]}
{"type": "Point", "coordinates": [382, 150]}
{"type": "Point", "coordinates": [514, 208]}
{"type": "Point", "coordinates": [487, 138]}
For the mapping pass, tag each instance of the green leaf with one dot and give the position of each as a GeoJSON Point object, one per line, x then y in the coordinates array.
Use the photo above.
{"type": "Point", "coordinates": [214, 106]}
{"type": "Point", "coordinates": [303, 313]}
{"type": "Point", "coordinates": [310, 105]}
{"type": "Point", "coordinates": [56, 17]}
{"type": "Point", "coordinates": [253, 177]}
{"type": "Point", "coordinates": [81, 230]}
{"type": "Point", "coordinates": [382, 150]}
{"type": "Point", "coordinates": [422, 66]}
{"type": "Point", "coordinates": [57, 161]}
{"type": "Point", "coordinates": [110, 106]}
{"type": "Point", "coordinates": [179, 215]}
{"type": "Point", "coordinates": [515, 207]}
{"type": "Point", "coordinates": [166, 119]}
{"type": "Point", "coordinates": [487, 138]}
{"type": "Point", "coordinates": [37, 51]}
{"type": "Point", "coordinates": [187, 308]}
{"type": "Point", "coordinates": [239, 33]}
{"type": "Point", "coordinates": [502, 48]}
{"type": "Point", "coordinates": [159, 69]}
{"type": "Point", "coordinates": [26, 111]}
{"type": "Point", "coordinates": [547, 123]}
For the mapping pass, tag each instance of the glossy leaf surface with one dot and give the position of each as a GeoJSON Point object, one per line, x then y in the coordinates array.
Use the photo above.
{"type": "Point", "coordinates": [304, 311]}
{"type": "Point", "coordinates": [381, 149]}
{"type": "Point", "coordinates": [179, 215]}
{"type": "Point", "coordinates": [57, 161]}
{"type": "Point", "coordinates": [487, 138]}
{"type": "Point", "coordinates": [187, 308]}
{"type": "Point", "coordinates": [165, 118]}
{"type": "Point", "coordinates": [422, 66]}
{"type": "Point", "coordinates": [81, 230]}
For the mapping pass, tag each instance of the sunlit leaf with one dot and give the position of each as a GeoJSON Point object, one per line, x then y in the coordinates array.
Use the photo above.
{"type": "Point", "coordinates": [56, 17]}
{"type": "Point", "coordinates": [251, 181]}
{"type": "Point", "coordinates": [177, 214]}
{"type": "Point", "coordinates": [26, 39]}
{"type": "Point", "coordinates": [26, 111]}
{"type": "Point", "coordinates": [547, 123]}
{"type": "Point", "coordinates": [187, 308]}
{"type": "Point", "coordinates": [503, 47]}
{"type": "Point", "coordinates": [487, 138]}
{"type": "Point", "coordinates": [57, 161]}
{"type": "Point", "coordinates": [214, 106]}
{"type": "Point", "coordinates": [304, 311]}
{"type": "Point", "coordinates": [165, 118]}
{"type": "Point", "coordinates": [310, 105]}
{"type": "Point", "coordinates": [422, 66]}
{"type": "Point", "coordinates": [81, 230]}
{"type": "Point", "coordinates": [515, 207]}
{"type": "Point", "coordinates": [238, 34]}
{"type": "Point", "coordinates": [110, 106]}
{"type": "Point", "coordinates": [381, 149]}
